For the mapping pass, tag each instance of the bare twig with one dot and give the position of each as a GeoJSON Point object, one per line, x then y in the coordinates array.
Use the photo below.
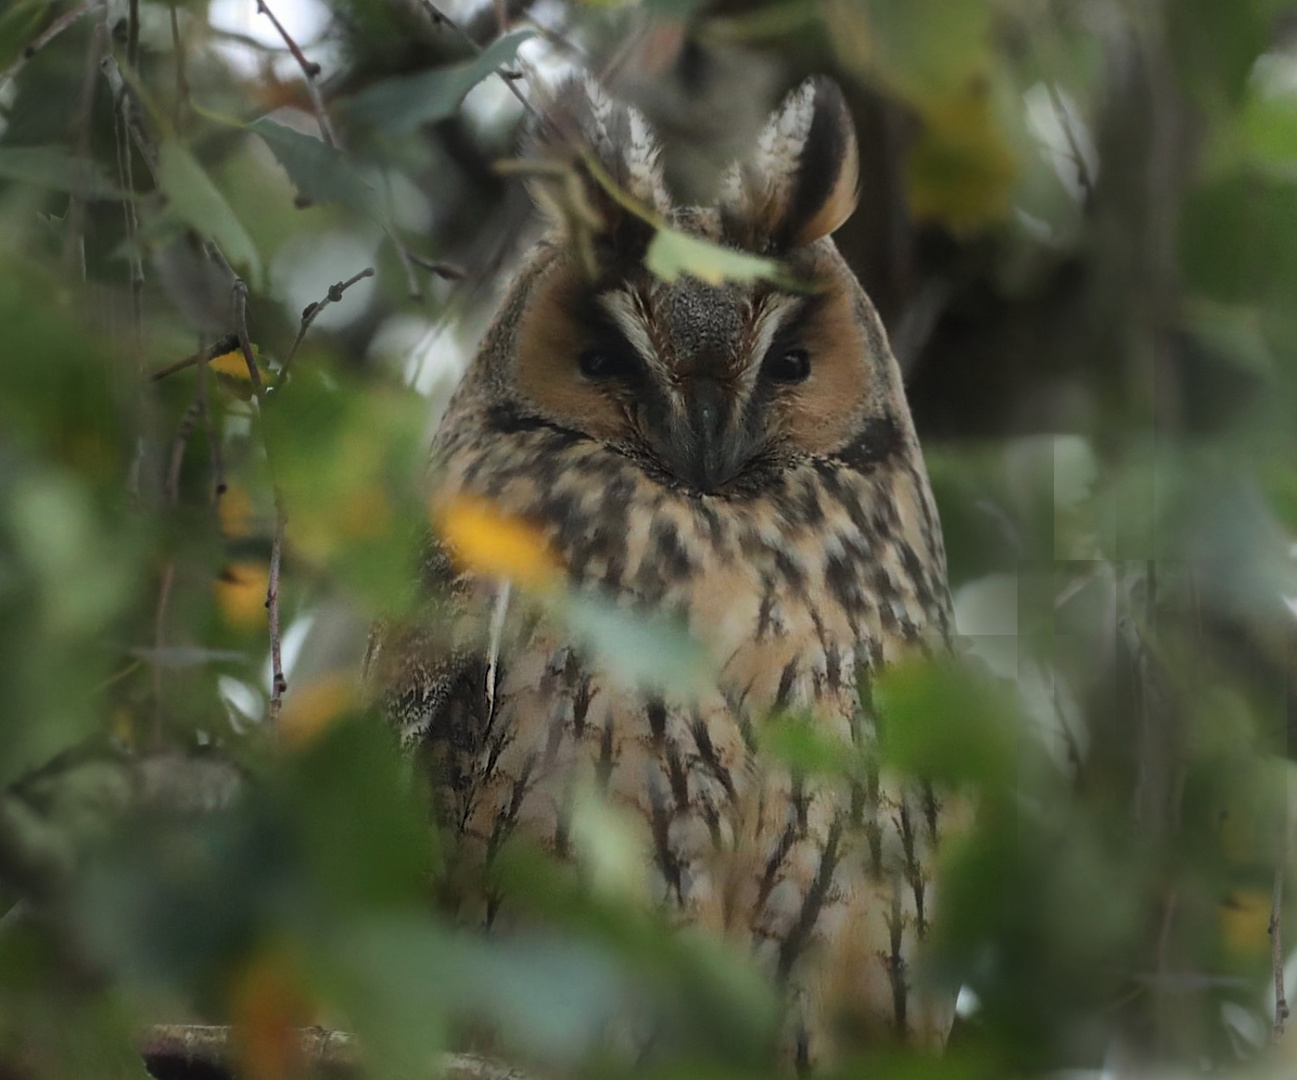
{"type": "Point", "coordinates": [239, 290]}
{"type": "Point", "coordinates": [39, 42]}
{"type": "Point", "coordinates": [278, 684]}
{"type": "Point", "coordinates": [1276, 923]}
{"type": "Point", "coordinates": [312, 312]}
{"type": "Point", "coordinates": [219, 347]}
{"type": "Point", "coordinates": [311, 71]}
{"type": "Point", "coordinates": [239, 297]}
{"type": "Point", "coordinates": [144, 142]}
{"type": "Point", "coordinates": [179, 445]}
{"type": "Point", "coordinates": [509, 78]}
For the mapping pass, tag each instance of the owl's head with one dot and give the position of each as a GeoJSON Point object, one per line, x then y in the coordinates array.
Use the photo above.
{"type": "Point", "coordinates": [707, 387]}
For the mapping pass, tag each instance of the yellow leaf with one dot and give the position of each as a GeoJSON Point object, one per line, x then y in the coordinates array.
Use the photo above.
{"type": "Point", "coordinates": [1245, 922]}
{"type": "Point", "coordinates": [312, 707]}
{"type": "Point", "coordinates": [364, 514]}
{"type": "Point", "coordinates": [484, 540]}
{"type": "Point", "coordinates": [236, 511]}
{"type": "Point", "coordinates": [241, 593]}
{"type": "Point", "coordinates": [123, 725]}
{"type": "Point", "coordinates": [232, 364]}
{"type": "Point", "coordinates": [961, 170]}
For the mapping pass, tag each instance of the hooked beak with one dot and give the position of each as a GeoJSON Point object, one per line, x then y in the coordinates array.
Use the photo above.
{"type": "Point", "coordinates": [701, 443]}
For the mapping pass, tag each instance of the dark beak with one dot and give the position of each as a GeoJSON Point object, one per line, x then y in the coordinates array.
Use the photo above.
{"type": "Point", "coordinates": [703, 446]}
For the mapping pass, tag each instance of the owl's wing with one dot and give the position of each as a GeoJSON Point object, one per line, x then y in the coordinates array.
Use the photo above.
{"type": "Point", "coordinates": [431, 675]}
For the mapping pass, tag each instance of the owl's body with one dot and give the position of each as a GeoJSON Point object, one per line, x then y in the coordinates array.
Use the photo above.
{"type": "Point", "coordinates": [739, 457]}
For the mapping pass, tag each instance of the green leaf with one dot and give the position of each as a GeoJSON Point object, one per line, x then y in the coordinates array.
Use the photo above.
{"type": "Point", "coordinates": [673, 253]}
{"type": "Point", "coordinates": [360, 823]}
{"type": "Point", "coordinates": [196, 199]}
{"type": "Point", "coordinates": [798, 741]}
{"type": "Point", "coordinates": [921, 49]}
{"type": "Point", "coordinates": [58, 168]}
{"type": "Point", "coordinates": [1236, 238]}
{"type": "Point", "coordinates": [320, 172]}
{"type": "Point", "coordinates": [640, 649]}
{"type": "Point", "coordinates": [944, 722]}
{"type": "Point", "coordinates": [398, 106]}
{"type": "Point", "coordinates": [1214, 45]}
{"type": "Point", "coordinates": [1269, 126]}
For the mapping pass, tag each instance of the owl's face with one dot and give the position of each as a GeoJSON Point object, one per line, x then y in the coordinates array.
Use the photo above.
{"type": "Point", "coordinates": [709, 388]}
{"type": "Point", "coordinates": [705, 385]}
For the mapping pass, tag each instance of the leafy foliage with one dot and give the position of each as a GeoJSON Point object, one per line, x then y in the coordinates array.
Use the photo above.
{"type": "Point", "coordinates": [1079, 222]}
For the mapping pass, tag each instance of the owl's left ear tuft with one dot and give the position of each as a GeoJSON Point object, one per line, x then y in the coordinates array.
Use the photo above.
{"type": "Point", "coordinates": [801, 182]}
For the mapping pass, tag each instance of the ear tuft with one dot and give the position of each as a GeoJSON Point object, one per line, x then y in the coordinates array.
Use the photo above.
{"type": "Point", "coordinates": [801, 181]}
{"type": "Point", "coordinates": [584, 118]}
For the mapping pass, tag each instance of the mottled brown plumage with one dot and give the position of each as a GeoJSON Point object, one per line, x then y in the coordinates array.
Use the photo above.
{"type": "Point", "coordinates": [741, 456]}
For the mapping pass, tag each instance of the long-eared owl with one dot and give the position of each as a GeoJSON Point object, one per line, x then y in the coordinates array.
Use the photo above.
{"type": "Point", "coordinates": [738, 456]}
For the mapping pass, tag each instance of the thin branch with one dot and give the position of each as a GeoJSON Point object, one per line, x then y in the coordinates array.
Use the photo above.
{"type": "Point", "coordinates": [1276, 924]}
{"type": "Point", "coordinates": [219, 347]}
{"type": "Point", "coordinates": [509, 78]}
{"type": "Point", "coordinates": [45, 37]}
{"type": "Point", "coordinates": [311, 71]}
{"type": "Point", "coordinates": [278, 684]}
{"type": "Point", "coordinates": [239, 290]}
{"type": "Point", "coordinates": [144, 142]}
{"type": "Point", "coordinates": [312, 312]}
{"type": "Point", "coordinates": [179, 445]}
{"type": "Point", "coordinates": [239, 298]}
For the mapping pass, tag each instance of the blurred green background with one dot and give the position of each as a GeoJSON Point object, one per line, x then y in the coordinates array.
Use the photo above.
{"type": "Point", "coordinates": [1079, 222]}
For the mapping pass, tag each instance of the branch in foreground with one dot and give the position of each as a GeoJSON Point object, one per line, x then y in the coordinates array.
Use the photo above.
{"type": "Point", "coordinates": [219, 347]}
{"type": "Point", "coordinates": [239, 291]}
{"type": "Point", "coordinates": [310, 71]}
{"type": "Point", "coordinates": [509, 78]}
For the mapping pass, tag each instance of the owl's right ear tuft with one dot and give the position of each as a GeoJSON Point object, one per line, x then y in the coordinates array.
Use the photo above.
{"type": "Point", "coordinates": [583, 125]}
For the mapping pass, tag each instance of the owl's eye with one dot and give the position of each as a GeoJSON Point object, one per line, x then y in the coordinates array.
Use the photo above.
{"type": "Point", "coordinates": [789, 366]}
{"type": "Point", "coordinates": [604, 363]}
